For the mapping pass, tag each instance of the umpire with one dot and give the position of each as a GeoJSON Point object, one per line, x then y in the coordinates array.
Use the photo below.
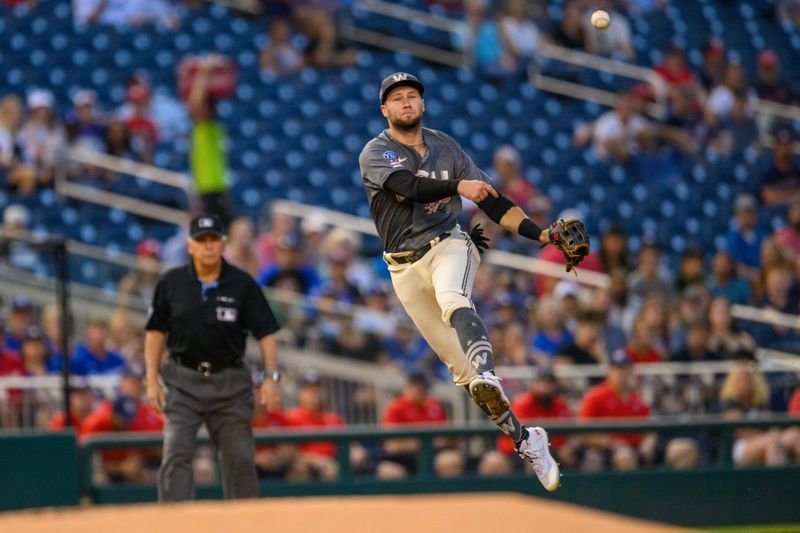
{"type": "Point", "coordinates": [203, 312]}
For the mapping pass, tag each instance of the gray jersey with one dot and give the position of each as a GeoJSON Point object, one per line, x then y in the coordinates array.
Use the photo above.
{"type": "Point", "coordinates": [402, 224]}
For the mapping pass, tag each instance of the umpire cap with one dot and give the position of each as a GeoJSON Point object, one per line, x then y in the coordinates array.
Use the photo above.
{"type": "Point", "coordinates": [399, 79]}
{"type": "Point", "coordinates": [206, 225]}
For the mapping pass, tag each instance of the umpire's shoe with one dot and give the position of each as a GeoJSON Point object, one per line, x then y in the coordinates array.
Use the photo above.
{"type": "Point", "coordinates": [488, 393]}
{"type": "Point", "coordinates": [536, 450]}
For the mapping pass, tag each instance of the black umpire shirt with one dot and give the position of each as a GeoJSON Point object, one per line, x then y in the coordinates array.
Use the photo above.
{"type": "Point", "coordinates": [209, 324]}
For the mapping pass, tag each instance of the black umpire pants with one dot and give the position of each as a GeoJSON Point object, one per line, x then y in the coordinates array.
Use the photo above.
{"type": "Point", "coordinates": [223, 401]}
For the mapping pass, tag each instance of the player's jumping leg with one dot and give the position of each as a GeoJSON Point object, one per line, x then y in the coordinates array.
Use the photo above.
{"type": "Point", "coordinates": [453, 294]}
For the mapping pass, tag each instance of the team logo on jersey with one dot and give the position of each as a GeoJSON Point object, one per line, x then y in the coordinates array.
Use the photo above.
{"type": "Point", "coordinates": [227, 314]}
{"type": "Point", "coordinates": [390, 155]}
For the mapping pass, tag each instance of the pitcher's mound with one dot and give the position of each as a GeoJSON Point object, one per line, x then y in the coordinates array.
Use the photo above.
{"type": "Point", "coordinates": [462, 513]}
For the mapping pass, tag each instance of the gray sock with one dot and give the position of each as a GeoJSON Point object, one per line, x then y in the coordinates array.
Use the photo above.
{"type": "Point", "coordinates": [511, 426]}
{"type": "Point", "coordinates": [474, 339]}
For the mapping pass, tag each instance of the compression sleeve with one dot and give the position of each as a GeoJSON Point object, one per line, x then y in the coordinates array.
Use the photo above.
{"type": "Point", "coordinates": [418, 189]}
{"type": "Point", "coordinates": [495, 208]}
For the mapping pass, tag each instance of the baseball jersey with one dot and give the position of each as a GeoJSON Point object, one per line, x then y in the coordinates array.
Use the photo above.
{"type": "Point", "coordinates": [402, 224]}
{"type": "Point", "coordinates": [303, 418]}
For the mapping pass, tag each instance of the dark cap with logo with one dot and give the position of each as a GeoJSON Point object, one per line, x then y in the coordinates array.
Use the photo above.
{"type": "Point", "coordinates": [399, 79]}
{"type": "Point", "coordinates": [206, 225]}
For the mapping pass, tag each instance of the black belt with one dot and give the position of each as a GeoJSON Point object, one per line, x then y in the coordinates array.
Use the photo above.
{"type": "Point", "coordinates": [404, 258]}
{"type": "Point", "coordinates": [206, 368]}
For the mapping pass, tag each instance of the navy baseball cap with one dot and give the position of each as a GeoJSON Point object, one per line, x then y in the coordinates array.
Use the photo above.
{"type": "Point", "coordinates": [399, 79]}
{"type": "Point", "coordinates": [125, 408]}
{"type": "Point", "coordinates": [420, 378]}
{"type": "Point", "coordinates": [619, 358]}
{"type": "Point", "coordinates": [206, 225]}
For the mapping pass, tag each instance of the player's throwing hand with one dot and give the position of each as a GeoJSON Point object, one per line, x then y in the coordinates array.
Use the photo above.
{"type": "Point", "coordinates": [475, 190]}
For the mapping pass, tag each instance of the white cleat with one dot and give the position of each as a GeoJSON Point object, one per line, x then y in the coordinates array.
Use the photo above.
{"type": "Point", "coordinates": [487, 391]}
{"type": "Point", "coordinates": [536, 450]}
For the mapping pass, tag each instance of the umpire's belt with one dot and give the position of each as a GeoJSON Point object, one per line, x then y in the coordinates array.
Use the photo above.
{"type": "Point", "coordinates": [206, 368]}
{"type": "Point", "coordinates": [404, 258]}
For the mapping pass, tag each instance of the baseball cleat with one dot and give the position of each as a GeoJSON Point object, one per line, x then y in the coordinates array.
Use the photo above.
{"type": "Point", "coordinates": [536, 450]}
{"type": "Point", "coordinates": [487, 391]}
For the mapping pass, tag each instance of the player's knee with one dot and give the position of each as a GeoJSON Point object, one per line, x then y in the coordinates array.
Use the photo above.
{"type": "Point", "coordinates": [448, 463]}
{"type": "Point", "coordinates": [450, 302]}
{"type": "Point", "coordinates": [494, 463]}
{"type": "Point", "coordinates": [682, 454]}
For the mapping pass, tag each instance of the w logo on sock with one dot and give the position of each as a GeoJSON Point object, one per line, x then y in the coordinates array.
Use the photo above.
{"type": "Point", "coordinates": [479, 360]}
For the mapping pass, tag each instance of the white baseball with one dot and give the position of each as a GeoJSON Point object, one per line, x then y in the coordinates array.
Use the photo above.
{"type": "Point", "coordinates": [600, 19]}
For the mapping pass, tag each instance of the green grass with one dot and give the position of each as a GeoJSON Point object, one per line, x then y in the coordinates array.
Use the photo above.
{"type": "Point", "coordinates": [780, 528]}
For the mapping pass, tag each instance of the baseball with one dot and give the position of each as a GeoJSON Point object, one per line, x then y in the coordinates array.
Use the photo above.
{"type": "Point", "coordinates": [600, 19]}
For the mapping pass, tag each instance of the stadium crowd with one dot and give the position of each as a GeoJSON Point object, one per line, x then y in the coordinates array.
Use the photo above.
{"type": "Point", "coordinates": [331, 289]}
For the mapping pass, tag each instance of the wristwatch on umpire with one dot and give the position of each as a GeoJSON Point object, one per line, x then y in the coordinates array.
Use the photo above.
{"type": "Point", "coordinates": [274, 375]}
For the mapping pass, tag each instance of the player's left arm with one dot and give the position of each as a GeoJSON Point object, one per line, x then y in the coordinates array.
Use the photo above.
{"type": "Point", "coordinates": [511, 218]}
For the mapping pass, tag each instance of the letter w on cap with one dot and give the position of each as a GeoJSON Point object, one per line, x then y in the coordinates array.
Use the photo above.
{"type": "Point", "coordinates": [205, 223]}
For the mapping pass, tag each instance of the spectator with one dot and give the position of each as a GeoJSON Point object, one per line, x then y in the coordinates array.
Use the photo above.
{"type": "Point", "coordinates": [17, 254]}
{"type": "Point", "coordinates": [614, 250]}
{"type": "Point", "coordinates": [641, 346]}
{"type": "Point", "coordinates": [691, 307]}
{"type": "Point", "coordinates": [239, 249]}
{"type": "Point", "coordinates": [336, 287]}
{"type": "Point", "coordinates": [780, 185]}
{"type": "Point", "coordinates": [725, 337]}
{"type": "Point", "coordinates": [571, 31]}
{"type": "Point", "coordinates": [778, 296]}
{"type": "Point", "coordinates": [691, 271]}
{"type": "Point", "coordinates": [587, 348]}
{"type": "Point", "coordinates": [713, 63]}
{"type": "Point", "coordinates": [788, 12]}
{"type": "Point", "coordinates": [280, 225]}
{"type": "Point", "coordinates": [141, 282]}
{"type": "Point", "coordinates": [11, 112]}
{"type": "Point", "coordinates": [51, 328]}
{"type": "Point", "coordinates": [165, 113]}
{"type": "Point", "coordinates": [542, 401]}
{"type": "Point", "coordinates": [374, 316]}
{"type": "Point", "coordinates": [127, 339]}
{"type": "Point", "coordinates": [35, 354]}
{"type": "Point", "coordinates": [289, 268]}
{"type": "Point", "coordinates": [351, 342]}
{"type": "Point", "coordinates": [84, 128]}
{"type": "Point", "coordinates": [118, 143]}
{"type": "Point", "coordinates": [272, 460]}
{"type": "Point", "coordinates": [481, 39]}
{"type": "Point", "coordinates": [648, 279]}
{"type": "Point", "coordinates": [134, 13]}
{"type": "Point", "coordinates": [508, 170]}
{"type": "Point", "coordinates": [519, 34]}
{"type": "Point", "coordinates": [91, 356]}
{"type": "Point", "coordinates": [721, 99]}
{"type": "Point", "coordinates": [616, 397]}
{"type": "Point", "coordinates": [317, 459]}
{"type": "Point", "coordinates": [744, 242]}
{"type": "Point", "coordinates": [674, 69]}
{"type": "Point", "coordinates": [612, 333]}
{"type": "Point", "coordinates": [614, 134]}
{"type": "Point", "coordinates": [10, 362]}
{"type": "Point", "coordinates": [142, 129]}
{"type": "Point", "coordinates": [738, 131]}
{"type": "Point", "coordinates": [280, 55]}
{"type": "Point", "coordinates": [751, 447]}
{"type": "Point", "coordinates": [414, 406]}
{"type": "Point", "coordinates": [724, 281]}
{"type": "Point", "coordinates": [326, 47]}
{"type": "Point", "coordinates": [20, 318]}
{"type": "Point", "coordinates": [788, 237]}
{"type": "Point", "coordinates": [552, 333]}
{"type": "Point", "coordinates": [614, 41]}
{"type": "Point", "coordinates": [770, 86]}
{"type": "Point", "coordinates": [41, 142]}
{"type": "Point", "coordinates": [126, 413]}
{"type": "Point", "coordinates": [80, 406]}
{"type": "Point", "coordinates": [794, 403]}
{"type": "Point", "coordinates": [208, 153]}
{"type": "Point", "coordinates": [696, 346]}
{"type": "Point", "coordinates": [684, 128]}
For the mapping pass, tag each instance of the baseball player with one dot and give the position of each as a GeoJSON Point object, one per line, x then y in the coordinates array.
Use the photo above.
{"type": "Point", "coordinates": [414, 178]}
